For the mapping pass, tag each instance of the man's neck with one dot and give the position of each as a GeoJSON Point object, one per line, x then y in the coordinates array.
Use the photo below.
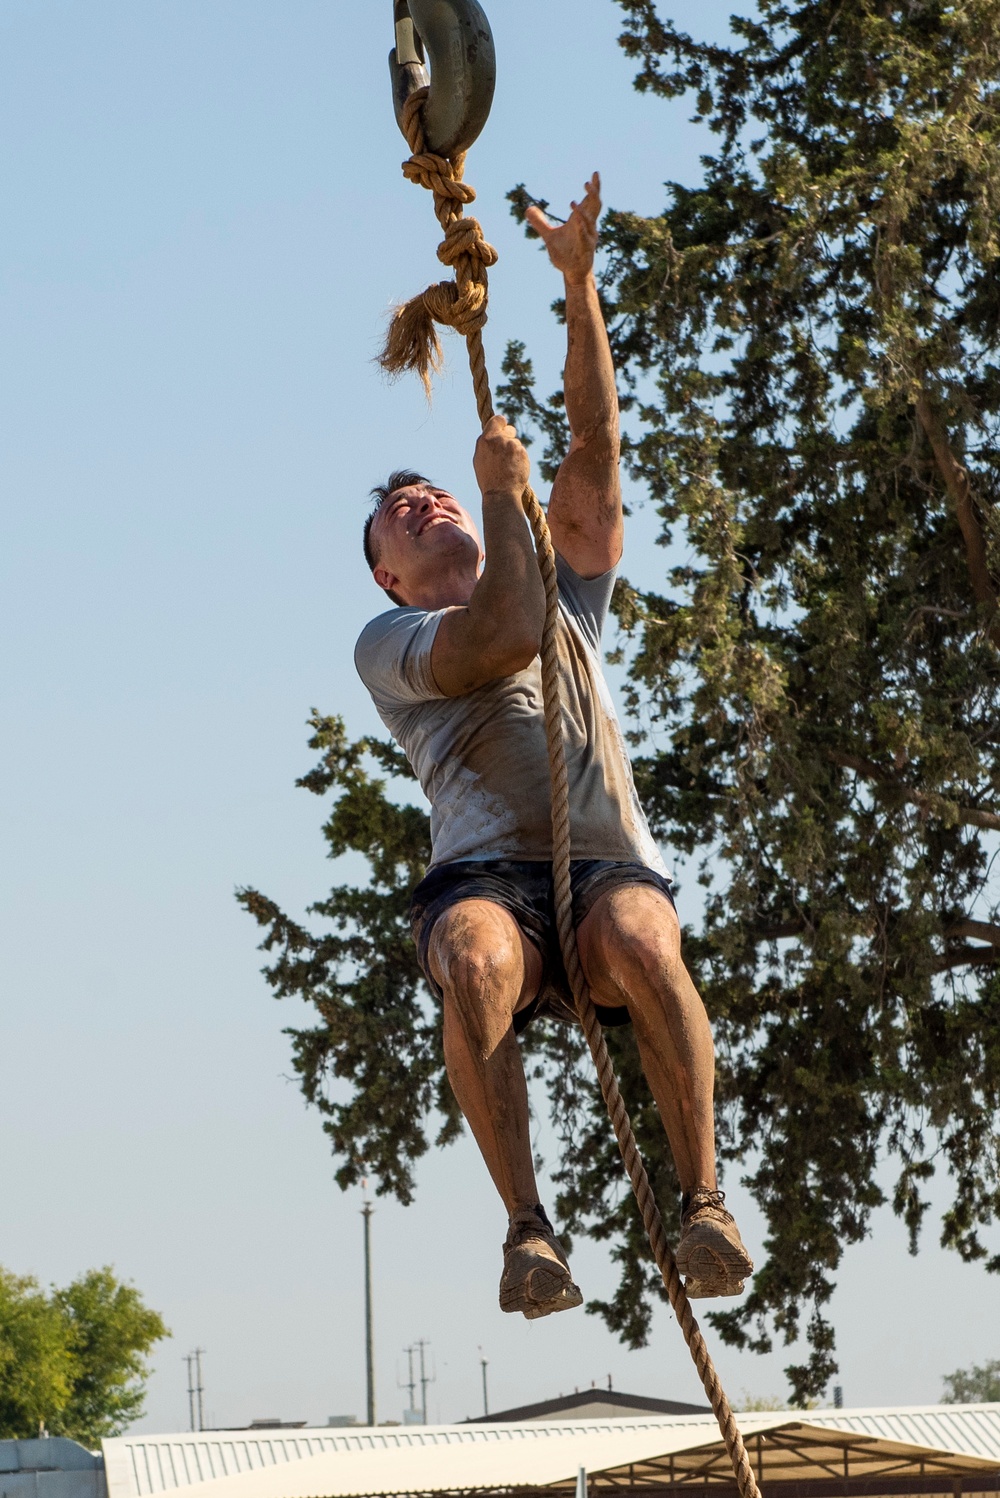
{"type": "Point", "coordinates": [444, 590]}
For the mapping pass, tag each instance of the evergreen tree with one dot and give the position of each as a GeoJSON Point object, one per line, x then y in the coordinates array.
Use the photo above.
{"type": "Point", "coordinates": [807, 340]}
{"type": "Point", "coordinates": [979, 1384]}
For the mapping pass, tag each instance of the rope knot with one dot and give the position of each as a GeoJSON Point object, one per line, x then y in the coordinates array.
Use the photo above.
{"type": "Point", "coordinates": [412, 342]}
{"type": "Point", "coordinates": [437, 175]}
{"type": "Point", "coordinates": [463, 239]}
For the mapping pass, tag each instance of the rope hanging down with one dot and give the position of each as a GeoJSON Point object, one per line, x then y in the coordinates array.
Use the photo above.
{"type": "Point", "coordinates": [413, 344]}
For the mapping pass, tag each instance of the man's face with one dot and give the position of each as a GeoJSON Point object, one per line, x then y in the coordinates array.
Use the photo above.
{"type": "Point", "coordinates": [418, 532]}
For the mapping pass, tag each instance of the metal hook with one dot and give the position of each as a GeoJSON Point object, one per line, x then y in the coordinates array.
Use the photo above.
{"type": "Point", "coordinates": [455, 37]}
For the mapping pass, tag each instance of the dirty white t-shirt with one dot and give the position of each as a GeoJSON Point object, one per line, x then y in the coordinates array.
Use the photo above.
{"type": "Point", "coordinates": [481, 758]}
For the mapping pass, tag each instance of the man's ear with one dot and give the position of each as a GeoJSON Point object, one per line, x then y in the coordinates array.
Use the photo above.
{"type": "Point", "coordinates": [387, 581]}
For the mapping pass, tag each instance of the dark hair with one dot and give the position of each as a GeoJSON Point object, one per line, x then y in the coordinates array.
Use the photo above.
{"type": "Point", "coordinates": [401, 479]}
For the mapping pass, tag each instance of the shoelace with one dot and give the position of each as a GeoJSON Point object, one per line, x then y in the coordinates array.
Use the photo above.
{"type": "Point", "coordinates": [691, 1201]}
{"type": "Point", "coordinates": [525, 1222]}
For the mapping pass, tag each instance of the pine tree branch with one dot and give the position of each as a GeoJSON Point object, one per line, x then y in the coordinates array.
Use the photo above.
{"type": "Point", "coordinates": [978, 930]}
{"type": "Point", "coordinates": [934, 805]}
{"type": "Point", "coordinates": [956, 482]}
{"type": "Point", "coordinates": [966, 957]}
{"type": "Point", "coordinates": [781, 931]}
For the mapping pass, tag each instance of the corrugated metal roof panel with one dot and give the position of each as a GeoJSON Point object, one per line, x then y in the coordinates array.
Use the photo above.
{"type": "Point", "coordinates": [409, 1459]}
{"type": "Point", "coordinates": [954, 1427]}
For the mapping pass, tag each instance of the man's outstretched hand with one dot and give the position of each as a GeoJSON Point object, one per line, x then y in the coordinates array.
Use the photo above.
{"type": "Point", "coordinates": [571, 245]}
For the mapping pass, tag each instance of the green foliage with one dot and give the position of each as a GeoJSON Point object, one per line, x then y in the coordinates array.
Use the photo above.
{"type": "Point", "coordinates": [753, 1402]}
{"type": "Point", "coordinates": [975, 1385]}
{"type": "Point", "coordinates": [807, 340]}
{"type": "Point", "coordinates": [520, 201]}
{"type": "Point", "coordinates": [808, 343]}
{"type": "Point", "coordinates": [516, 398]}
{"type": "Point", "coordinates": [73, 1360]}
{"type": "Point", "coordinates": [36, 1360]}
{"type": "Point", "coordinates": [111, 1331]}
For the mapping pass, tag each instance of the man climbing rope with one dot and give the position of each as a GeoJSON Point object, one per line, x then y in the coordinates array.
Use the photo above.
{"type": "Point", "coordinates": [454, 673]}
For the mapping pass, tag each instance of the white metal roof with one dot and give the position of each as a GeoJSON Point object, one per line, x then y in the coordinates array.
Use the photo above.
{"type": "Point", "coordinates": [342, 1462]}
{"type": "Point", "coordinates": [973, 1428]}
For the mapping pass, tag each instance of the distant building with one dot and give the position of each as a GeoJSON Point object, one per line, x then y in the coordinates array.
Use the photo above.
{"type": "Point", "coordinates": [264, 1423]}
{"type": "Point", "coordinates": [592, 1404]}
{"type": "Point", "coordinates": [50, 1467]}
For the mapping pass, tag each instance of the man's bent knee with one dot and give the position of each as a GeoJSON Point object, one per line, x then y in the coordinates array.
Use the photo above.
{"type": "Point", "coordinates": [631, 931]}
{"type": "Point", "coordinates": [476, 957]}
{"type": "Point", "coordinates": [474, 943]}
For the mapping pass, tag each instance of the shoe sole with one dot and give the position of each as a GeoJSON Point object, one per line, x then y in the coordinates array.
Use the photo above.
{"type": "Point", "coordinates": [542, 1292]}
{"type": "Point", "coordinates": [718, 1260]}
{"type": "Point", "coordinates": [710, 1269]}
{"type": "Point", "coordinates": [567, 1300]}
{"type": "Point", "coordinates": [713, 1289]}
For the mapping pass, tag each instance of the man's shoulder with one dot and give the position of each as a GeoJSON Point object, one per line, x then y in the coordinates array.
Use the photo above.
{"type": "Point", "coordinates": [398, 621]}
{"type": "Point", "coordinates": [392, 654]}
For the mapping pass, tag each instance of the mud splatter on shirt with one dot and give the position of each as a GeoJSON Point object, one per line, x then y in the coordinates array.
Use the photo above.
{"type": "Point", "coordinates": [481, 758]}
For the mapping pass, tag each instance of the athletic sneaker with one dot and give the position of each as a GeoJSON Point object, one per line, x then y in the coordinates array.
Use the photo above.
{"type": "Point", "coordinates": [536, 1279]}
{"type": "Point", "coordinates": [710, 1253]}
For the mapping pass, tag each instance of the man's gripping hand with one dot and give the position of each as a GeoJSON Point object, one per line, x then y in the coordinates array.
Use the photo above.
{"type": "Point", "coordinates": [571, 245]}
{"type": "Point", "coordinates": [501, 462]}
{"type": "Point", "coordinates": [499, 630]}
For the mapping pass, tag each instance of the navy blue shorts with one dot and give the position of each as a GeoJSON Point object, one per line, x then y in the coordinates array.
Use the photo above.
{"type": "Point", "coordinates": [524, 887]}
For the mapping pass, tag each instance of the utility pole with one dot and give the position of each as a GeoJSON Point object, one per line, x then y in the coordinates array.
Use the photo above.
{"type": "Point", "coordinates": [425, 1378]}
{"type": "Point", "coordinates": [366, 1212]}
{"type": "Point", "coordinates": [199, 1390]}
{"type": "Point", "coordinates": [189, 1359]}
{"type": "Point", "coordinates": [409, 1383]}
{"type": "Point", "coordinates": [486, 1402]}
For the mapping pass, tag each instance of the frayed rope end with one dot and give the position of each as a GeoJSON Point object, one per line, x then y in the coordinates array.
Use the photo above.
{"type": "Point", "coordinates": [412, 343]}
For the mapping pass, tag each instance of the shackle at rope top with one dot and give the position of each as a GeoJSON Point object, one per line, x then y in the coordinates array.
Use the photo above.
{"type": "Point", "coordinates": [455, 37]}
{"type": "Point", "coordinates": [440, 117]}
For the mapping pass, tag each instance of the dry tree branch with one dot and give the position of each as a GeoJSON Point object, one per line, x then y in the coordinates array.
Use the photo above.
{"type": "Point", "coordinates": [928, 801]}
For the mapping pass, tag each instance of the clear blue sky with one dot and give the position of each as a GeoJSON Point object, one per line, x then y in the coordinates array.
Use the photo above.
{"type": "Point", "coordinates": [204, 225]}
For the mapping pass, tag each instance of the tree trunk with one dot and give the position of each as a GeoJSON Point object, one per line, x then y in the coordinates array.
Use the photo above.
{"type": "Point", "coordinates": [956, 482]}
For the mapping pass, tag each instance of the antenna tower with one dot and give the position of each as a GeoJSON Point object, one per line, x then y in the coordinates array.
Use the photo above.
{"type": "Point", "coordinates": [409, 1383]}
{"type": "Point", "coordinates": [366, 1211]}
{"type": "Point", "coordinates": [189, 1359]}
{"type": "Point", "coordinates": [425, 1377]}
{"type": "Point", "coordinates": [196, 1390]}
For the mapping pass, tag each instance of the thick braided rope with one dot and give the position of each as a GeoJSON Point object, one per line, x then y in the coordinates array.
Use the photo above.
{"type": "Point", "coordinates": [436, 174]}
{"type": "Point", "coordinates": [460, 303]}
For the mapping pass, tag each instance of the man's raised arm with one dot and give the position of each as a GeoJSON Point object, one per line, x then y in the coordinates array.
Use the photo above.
{"type": "Point", "coordinates": [499, 630]}
{"type": "Point", "coordinates": [585, 510]}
